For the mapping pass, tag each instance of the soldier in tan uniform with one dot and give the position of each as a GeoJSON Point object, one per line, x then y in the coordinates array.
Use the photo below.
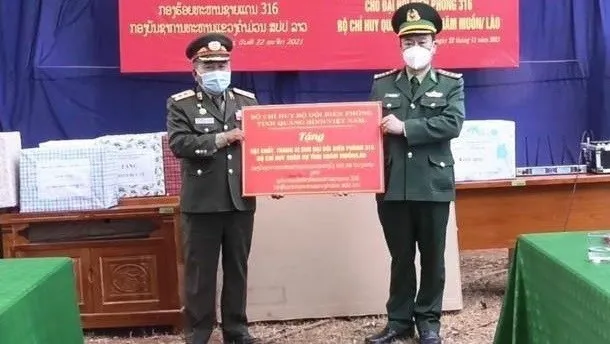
{"type": "Point", "coordinates": [204, 129]}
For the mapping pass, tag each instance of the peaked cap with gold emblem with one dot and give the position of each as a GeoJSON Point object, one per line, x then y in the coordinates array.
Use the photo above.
{"type": "Point", "coordinates": [416, 18]}
{"type": "Point", "coordinates": [211, 47]}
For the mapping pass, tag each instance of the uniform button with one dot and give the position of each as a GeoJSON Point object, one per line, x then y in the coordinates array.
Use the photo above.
{"type": "Point", "coordinates": [389, 106]}
{"type": "Point", "coordinates": [197, 151]}
{"type": "Point", "coordinates": [199, 172]}
{"type": "Point", "coordinates": [206, 130]}
{"type": "Point", "coordinates": [409, 155]}
{"type": "Point", "coordinates": [442, 164]}
{"type": "Point", "coordinates": [226, 127]}
{"type": "Point", "coordinates": [412, 106]}
{"type": "Point", "coordinates": [433, 105]}
{"type": "Point", "coordinates": [205, 151]}
{"type": "Point", "coordinates": [229, 156]}
{"type": "Point", "coordinates": [230, 171]}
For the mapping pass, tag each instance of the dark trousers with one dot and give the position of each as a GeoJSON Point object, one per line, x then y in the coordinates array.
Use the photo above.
{"type": "Point", "coordinates": [204, 235]}
{"type": "Point", "coordinates": [406, 224]}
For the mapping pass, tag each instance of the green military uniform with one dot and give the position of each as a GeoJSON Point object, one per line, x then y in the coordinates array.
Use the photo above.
{"type": "Point", "coordinates": [215, 216]}
{"type": "Point", "coordinates": [420, 185]}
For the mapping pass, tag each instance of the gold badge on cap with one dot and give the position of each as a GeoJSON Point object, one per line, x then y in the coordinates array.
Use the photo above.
{"type": "Point", "coordinates": [214, 46]}
{"type": "Point", "coordinates": [413, 15]}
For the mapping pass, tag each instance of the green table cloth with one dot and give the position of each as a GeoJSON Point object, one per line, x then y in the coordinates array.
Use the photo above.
{"type": "Point", "coordinates": [554, 295]}
{"type": "Point", "coordinates": [38, 302]}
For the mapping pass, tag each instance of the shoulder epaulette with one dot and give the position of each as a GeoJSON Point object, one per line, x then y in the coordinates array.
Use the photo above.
{"type": "Point", "coordinates": [449, 74]}
{"type": "Point", "coordinates": [381, 75]}
{"type": "Point", "coordinates": [183, 95]}
{"type": "Point", "coordinates": [244, 93]}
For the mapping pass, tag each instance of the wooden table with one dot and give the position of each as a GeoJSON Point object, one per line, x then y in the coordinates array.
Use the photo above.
{"type": "Point", "coordinates": [120, 281]}
{"type": "Point", "coordinates": [491, 214]}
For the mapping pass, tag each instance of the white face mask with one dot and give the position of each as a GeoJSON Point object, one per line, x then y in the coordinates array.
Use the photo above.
{"type": "Point", "coordinates": [215, 82]}
{"type": "Point", "coordinates": [417, 57]}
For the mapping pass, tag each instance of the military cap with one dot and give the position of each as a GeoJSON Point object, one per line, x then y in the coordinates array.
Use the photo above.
{"type": "Point", "coordinates": [416, 18]}
{"type": "Point", "coordinates": [211, 47]}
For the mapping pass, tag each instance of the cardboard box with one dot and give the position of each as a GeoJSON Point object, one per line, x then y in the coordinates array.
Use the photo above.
{"type": "Point", "coordinates": [140, 161]}
{"type": "Point", "coordinates": [10, 150]}
{"type": "Point", "coordinates": [68, 179]}
{"type": "Point", "coordinates": [140, 158]}
{"type": "Point", "coordinates": [485, 150]}
{"type": "Point", "coordinates": [325, 256]}
{"type": "Point", "coordinates": [67, 143]}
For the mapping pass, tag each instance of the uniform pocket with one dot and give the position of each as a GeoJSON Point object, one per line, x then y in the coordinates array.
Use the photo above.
{"type": "Point", "coordinates": [441, 176]}
{"type": "Point", "coordinates": [197, 169]}
{"type": "Point", "coordinates": [441, 161]}
{"type": "Point", "coordinates": [433, 103]}
{"type": "Point", "coordinates": [391, 103]}
{"type": "Point", "coordinates": [206, 128]}
{"type": "Point", "coordinates": [205, 124]}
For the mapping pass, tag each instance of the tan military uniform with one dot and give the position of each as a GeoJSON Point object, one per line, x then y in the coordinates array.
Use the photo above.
{"type": "Point", "coordinates": [215, 216]}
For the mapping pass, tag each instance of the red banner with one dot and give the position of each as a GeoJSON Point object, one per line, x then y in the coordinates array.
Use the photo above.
{"type": "Point", "coordinates": [313, 34]}
{"type": "Point", "coordinates": [312, 149]}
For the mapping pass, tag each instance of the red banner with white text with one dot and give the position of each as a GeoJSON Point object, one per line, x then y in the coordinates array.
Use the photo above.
{"type": "Point", "coordinates": [322, 148]}
{"type": "Point", "coordinates": [312, 35]}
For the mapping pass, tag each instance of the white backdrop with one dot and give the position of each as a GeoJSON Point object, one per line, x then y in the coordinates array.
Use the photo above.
{"type": "Point", "coordinates": [325, 256]}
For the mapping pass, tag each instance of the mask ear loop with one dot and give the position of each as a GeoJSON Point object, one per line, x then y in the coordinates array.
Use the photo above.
{"type": "Point", "coordinates": [434, 46]}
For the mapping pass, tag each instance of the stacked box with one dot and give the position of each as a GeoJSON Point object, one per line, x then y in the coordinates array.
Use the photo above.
{"type": "Point", "coordinates": [171, 165]}
{"type": "Point", "coordinates": [10, 149]}
{"type": "Point", "coordinates": [141, 163]}
{"type": "Point", "coordinates": [485, 150]}
{"type": "Point", "coordinates": [68, 179]}
{"type": "Point", "coordinates": [67, 143]}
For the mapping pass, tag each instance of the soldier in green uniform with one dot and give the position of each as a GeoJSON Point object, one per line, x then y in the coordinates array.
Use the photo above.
{"type": "Point", "coordinates": [204, 130]}
{"type": "Point", "coordinates": [423, 109]}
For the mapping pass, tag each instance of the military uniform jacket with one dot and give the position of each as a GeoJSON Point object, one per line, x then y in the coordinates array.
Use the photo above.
{"type": "Point", "coordinates": [211, 176]}
{"type": "Point", "coordinates": [418, 165]}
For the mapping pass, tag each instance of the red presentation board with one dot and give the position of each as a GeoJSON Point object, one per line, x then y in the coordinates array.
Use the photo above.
{"type": "Point", "coordinates": [312, 35]}
{"type": "Point", "coordinates": [312, 149]}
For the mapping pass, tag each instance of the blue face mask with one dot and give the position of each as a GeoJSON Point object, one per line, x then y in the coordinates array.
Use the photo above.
{"type": "Point", "coordinates": [215, 82]}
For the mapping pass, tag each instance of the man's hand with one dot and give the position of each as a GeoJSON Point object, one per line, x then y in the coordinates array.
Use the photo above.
{"type": "Point", "coordinates": [277, 196]}
{"type": "Point", "coordinates": [392, 125]}
{"type": "Point", "coordinates": [234, 135]}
